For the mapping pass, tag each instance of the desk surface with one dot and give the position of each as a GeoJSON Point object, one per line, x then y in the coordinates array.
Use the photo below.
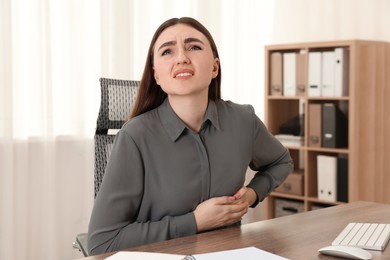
{"type": "Point", "coordinates": [297, 236]}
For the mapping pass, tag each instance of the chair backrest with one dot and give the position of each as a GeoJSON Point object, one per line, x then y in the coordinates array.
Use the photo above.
{"type": "Point", "coordinates": [117, 98]}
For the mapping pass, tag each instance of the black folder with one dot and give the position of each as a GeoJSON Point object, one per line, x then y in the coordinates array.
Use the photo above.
{"type": "Point", "coordinates": [342, 179]}
{"type": "Point", "coordinates": [334, 127]}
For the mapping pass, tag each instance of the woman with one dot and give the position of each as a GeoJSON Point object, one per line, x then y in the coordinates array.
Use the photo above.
{"type": "Point", "coordinates": [178, 165]}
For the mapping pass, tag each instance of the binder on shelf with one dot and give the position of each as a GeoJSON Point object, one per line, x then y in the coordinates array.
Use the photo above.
{"type": "Point", "coordinates": [341, 72]}
{"type": "Point", "coordinates": [334, 127]}
{"type": "Point", "coordinates": [300, 74]}
{"type": "Point", "coordinates": [328, 74]}
{"type": "Point", "coordinates": [315, 125]}
{"type": "Point", "coordinates": [289, 74]}
{"type": "Point", "coordinates": [342, 179]}
{"type": "Point", "coordinates": [314, 89]}
{"type": "Point", "coordinates": [326, 177]}
{"type": "Point", "coordinates": [276, 74]}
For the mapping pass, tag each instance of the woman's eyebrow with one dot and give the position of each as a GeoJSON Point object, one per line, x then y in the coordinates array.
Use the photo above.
{"type": "Point", "coordinates": [166, 44]}
{"type": "Point", "coordinates": [187, 40]}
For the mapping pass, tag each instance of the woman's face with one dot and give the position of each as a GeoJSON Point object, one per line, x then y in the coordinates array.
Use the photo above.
{"type": "Point", "coordinates": [183, 61]}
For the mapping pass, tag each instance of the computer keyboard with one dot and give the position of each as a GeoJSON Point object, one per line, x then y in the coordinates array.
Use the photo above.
{"type": "Point", "coordinates": [371, 236]}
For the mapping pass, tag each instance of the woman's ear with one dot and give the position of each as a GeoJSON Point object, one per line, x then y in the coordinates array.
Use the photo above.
{"type": "Point", "coordinates": [155, 76]}
{"type": "Point", "coordinates": [215, 68]}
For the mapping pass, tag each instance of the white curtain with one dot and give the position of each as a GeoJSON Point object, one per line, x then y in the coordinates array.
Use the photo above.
{"type": "Point", "coordinates": [49, 97]}
{"type": "Point", "coordinates": [52, 53]}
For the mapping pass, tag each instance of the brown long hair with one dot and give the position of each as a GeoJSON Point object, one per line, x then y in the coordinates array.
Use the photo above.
{"type": "Point", "coordinates": [150, 95]}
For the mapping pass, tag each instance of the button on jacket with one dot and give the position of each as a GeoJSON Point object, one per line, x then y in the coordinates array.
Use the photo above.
{"type": "Point", "coordinates": [159, 171]}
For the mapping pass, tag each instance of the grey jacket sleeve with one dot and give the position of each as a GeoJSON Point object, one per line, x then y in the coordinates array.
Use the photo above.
{"type": "Point", "coordinates": [271, 160]}
{"type": "Point", "coordinates": [114, 224]}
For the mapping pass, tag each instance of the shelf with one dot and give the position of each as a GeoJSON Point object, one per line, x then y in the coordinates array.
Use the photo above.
{"type": "Point", "coordinates": [328, 98]}
{"type": "Point", "coordinates": [342, 98]}
{"type": "Point", "coordinates": [302, 198]}
{"type": "Point", "coordinates": [363, 105]}
{"type": "Point", "coordinates": [287, 196]}
{"type": "Point", "coordinates": [327, 202]}
{"type": "Point", "coordinates": [285, 98]}
{"type": "Point", "coordinates": [300, 148]}
{"type": "Point", "coordinates": [318, 149]}
{"type": "Point", "coordinates": [328, 150]}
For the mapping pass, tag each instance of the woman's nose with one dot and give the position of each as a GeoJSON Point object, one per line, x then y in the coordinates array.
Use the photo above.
{"type": "Point", "coordinates": [182, 57]}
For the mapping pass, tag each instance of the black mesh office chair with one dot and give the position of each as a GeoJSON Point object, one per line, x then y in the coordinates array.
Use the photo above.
{"type": "Point", "coordinates": [117, 98]}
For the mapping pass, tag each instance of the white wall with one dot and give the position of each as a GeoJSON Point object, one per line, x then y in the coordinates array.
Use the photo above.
{"type": "Point", "coordinates": [328, 20]}
{"type": "Point", "coordinates": [240, 28]}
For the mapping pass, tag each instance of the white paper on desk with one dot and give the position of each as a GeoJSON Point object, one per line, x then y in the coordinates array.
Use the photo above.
{"type": "Point", "coordinates": [125, 255]}
{"type": "Point", "coordinates": [242, 253]}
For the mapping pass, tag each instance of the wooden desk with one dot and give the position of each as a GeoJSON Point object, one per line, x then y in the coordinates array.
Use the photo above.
{"type": "Point", "coordinates": [297, 236]}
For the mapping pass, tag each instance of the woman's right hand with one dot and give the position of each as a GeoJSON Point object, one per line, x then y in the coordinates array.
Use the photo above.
{"type": "Point", "coordinates": [218, 212]}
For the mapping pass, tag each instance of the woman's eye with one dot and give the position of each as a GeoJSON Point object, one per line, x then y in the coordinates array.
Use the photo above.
{"type": "Point", "coordinates": [195, 48]}
{"type": "Point", "coordinates": [166, 52]}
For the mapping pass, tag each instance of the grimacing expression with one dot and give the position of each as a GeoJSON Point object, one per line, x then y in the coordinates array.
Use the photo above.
{"type": "Point", "coordinates": [184, 63]}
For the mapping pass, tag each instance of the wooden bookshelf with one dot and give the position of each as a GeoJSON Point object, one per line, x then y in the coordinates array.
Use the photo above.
{"type": "Point", "coordinates": [367, 107]}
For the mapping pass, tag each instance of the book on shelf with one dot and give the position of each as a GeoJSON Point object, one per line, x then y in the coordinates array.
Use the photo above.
{"type": "Point", "coordinates": [290, 140]}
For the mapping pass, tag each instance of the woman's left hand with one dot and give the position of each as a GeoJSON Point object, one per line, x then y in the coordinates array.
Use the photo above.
{"type": "Point", "coordinates": [246, 194]}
